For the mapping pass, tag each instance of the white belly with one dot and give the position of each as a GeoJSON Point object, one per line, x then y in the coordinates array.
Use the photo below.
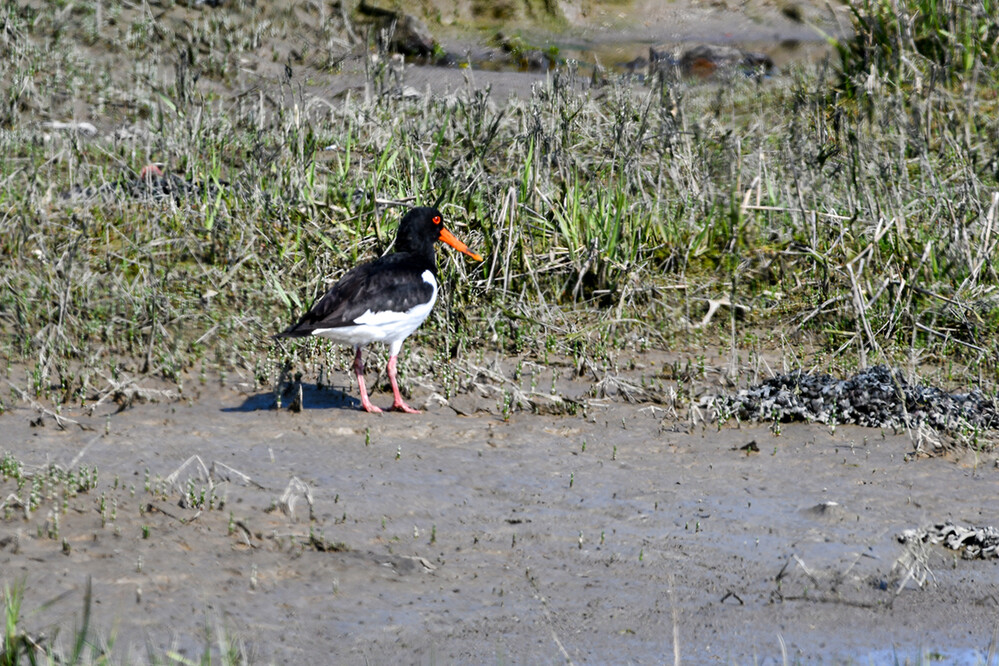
{"type": "Point", "coordinates": [389, 327]}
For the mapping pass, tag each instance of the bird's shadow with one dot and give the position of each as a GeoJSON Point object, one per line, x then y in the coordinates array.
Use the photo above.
{"type": "Point", "coordinates": [313, 397]}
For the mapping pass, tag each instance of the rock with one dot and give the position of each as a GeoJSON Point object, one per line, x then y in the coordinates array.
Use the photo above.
{"type": "Point", "coordinates": [637, 66]}
{"type": "Point", "coordinates": [410, 37]}
{"type": "Point", "coordinates": [525, 57]}
{"type": "Point", "coordinates": [705, 60]}
{"type": "Point", "coordinates": [535, 61]}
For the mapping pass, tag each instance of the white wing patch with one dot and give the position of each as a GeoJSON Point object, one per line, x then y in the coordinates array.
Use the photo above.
{"type": "Point", "coordinates": [388, 326]}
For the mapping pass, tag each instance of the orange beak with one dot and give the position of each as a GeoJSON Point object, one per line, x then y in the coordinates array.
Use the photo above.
{"type": "Point", "coordinates": [449, 238]}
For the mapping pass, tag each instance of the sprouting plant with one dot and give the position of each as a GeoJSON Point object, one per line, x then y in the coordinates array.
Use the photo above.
{"type": "Point", "coordinates": [506, 407]}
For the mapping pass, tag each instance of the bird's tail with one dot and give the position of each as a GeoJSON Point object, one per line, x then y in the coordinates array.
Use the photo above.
{"type": "Point", "coordinates": [292, 332]}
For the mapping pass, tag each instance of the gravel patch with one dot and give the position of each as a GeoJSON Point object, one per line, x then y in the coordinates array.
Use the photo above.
{"type": "Point", "coordinates": [878, 397]}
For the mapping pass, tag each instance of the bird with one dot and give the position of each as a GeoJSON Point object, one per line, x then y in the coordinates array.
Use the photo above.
{"type": "Point", "coordinates": [384, 300]}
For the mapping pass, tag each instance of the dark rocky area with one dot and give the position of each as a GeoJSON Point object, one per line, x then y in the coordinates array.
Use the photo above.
{"type": "Point", "coordinates": [877, 397]}
{"type": "Point", "coordinates": [971, 542]}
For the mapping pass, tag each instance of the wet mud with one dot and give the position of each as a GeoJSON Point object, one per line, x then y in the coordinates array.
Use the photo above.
{"type": "Point", "coordinates": [618, 534]}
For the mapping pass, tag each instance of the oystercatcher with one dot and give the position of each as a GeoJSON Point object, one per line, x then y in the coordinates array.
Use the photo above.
{"type": "Point", "coordinates": [384, 300]}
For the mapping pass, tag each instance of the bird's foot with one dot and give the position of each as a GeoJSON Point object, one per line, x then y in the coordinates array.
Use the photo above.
{"type": "Point", "coordinates": [401, 406]}
{"type": "Point", "coordinates": [367, 406]}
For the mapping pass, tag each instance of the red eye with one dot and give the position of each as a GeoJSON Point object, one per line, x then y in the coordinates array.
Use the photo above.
{"type": "Point", "coordinates": [437, 219]}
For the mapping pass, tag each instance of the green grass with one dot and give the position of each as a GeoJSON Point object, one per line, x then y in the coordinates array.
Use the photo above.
{"type": "Point", "coordinates": [849, 214]}
{"type": "Point", "coordinates": [905, 41]}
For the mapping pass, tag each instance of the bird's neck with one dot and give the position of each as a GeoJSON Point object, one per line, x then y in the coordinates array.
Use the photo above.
{"type": "Point", "coordinates": [425, 259]}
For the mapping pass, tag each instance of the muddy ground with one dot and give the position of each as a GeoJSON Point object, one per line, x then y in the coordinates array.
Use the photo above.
{"type": "Point", "coordinates": [620, 534]}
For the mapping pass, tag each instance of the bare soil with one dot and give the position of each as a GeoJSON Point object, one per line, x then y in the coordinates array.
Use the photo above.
{"type": "Point", "coordinates": [621, 534]}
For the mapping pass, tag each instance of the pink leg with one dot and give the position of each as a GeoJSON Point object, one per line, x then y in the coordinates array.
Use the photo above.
{"type": "Point", "coordinates": [359, 371]}
{"type": "Point", "coordinates": [398, 403]}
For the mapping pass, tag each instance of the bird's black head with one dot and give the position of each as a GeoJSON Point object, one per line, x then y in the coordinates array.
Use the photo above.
{"type": "Point", "coordinates": [423, 226]}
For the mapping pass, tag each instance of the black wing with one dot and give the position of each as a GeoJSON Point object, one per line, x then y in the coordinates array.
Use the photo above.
{"type": "Point", "coordinates": [392, 283]}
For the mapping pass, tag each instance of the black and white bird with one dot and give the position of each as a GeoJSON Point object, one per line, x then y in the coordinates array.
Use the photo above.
{"type": "Point", "coordinates": [384, 300]}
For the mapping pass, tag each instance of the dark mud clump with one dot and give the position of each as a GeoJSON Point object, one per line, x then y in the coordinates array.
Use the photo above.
{"type": "Point", "coordinates": [878, 397]}
{"type": "Point", "coordinates": [972, 542]}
